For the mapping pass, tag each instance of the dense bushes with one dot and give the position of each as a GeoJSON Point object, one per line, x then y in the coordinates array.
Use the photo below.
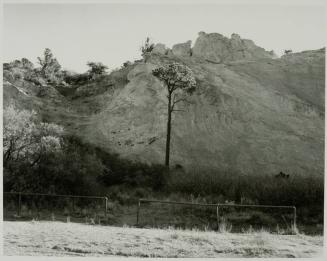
{"type": "Point", "coordinates": [80, 168]}
{"type": "Point", "coordinates": [83, 169]}
{"type": "Point", "coordinates": [38, 157]}
{"type": "Point", "coordinates": [72, 170]}
{"type": "Point", "coordinates": [135, 174]}
{"type": "Point", "coordinates": [297, 190]}
{"type": "Point", "coordinates": [306, 193]}
{"type": "Point", "coordinates": [77, 79]}
{"type": "Point", "coordinates": [50, 72]}
{"type": "Point", "coordinates": [26, 139]}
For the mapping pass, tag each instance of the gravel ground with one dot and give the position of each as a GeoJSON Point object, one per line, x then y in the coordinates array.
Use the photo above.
{"type": "Point", "coordinates": [71, 239]}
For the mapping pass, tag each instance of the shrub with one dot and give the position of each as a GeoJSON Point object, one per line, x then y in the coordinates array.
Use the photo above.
{"type": "Point", "coordinates": [96, 68]}
{"type": "Point", "coordinates": [25, 139]}
{"type": "Point", "coordinates": [79, 79]}
{"type": "Point", "coordinates": [297, 190]}
{"type": "Point", "coordinates": [125, 172]}
{"type": "Point", "coordinates": [6, 66]}
{"type": "Point", "coordinates": [18, 75]}
{"type": "Point", "coordinates": [7, 75]}
{"type": "Point", "coordinates": [50, 68]}
{"type": "Point", "coordinates": [146, 48]}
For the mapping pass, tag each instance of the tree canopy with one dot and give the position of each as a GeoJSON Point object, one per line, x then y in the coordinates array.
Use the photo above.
{"type": "Point", "coordinates": [25, 138]}
{"type": "Point", "coordinates": [96, 68]}
{"type": "Point", "coordinates": [50, 67]}
{"type": "Point", "coordinates": [176, 76]}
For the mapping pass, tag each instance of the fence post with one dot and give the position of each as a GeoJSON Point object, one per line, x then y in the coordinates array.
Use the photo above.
{"type": "Point", "coordinates": [105, 207]}
{"type": "Point", "coordinates": [217, 217]}
{"type": "Point", "coordinates": [73, 205]}
{"type": "Point", "coordinates": [19, 203]}
{"type": "Point", "coordinates": [138, 212]}
{"type": "Point", "coordinates": [294, 217]}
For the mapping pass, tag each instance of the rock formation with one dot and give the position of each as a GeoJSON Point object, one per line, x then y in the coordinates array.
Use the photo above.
{"type": "Point", "coordinates": [182, 49]}
{"type": "Point", "coordinates": [159, 49]}
{"type": "Point", "coordinates": [217, 48]}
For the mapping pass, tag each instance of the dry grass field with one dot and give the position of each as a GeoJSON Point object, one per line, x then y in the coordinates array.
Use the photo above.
{"type": "Point", "coordinates": [71, 239]}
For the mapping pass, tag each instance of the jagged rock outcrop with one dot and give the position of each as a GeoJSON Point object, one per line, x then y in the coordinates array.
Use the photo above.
{"type": "Point", "coordinates": [160, 48]}
{"type": "Point", "coordinates": [182, 49]}
{"type": "Point", "coordinates": [217, 48]}
{"type": "Point", "coordinates": [250, 114]}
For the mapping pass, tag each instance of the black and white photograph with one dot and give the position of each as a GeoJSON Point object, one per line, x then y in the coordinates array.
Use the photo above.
{"type": "Point", "coordinates": [163, 129]}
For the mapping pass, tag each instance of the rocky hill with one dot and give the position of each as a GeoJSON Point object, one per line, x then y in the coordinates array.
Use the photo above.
{"type": "Point", "coordinates": [252, 113]}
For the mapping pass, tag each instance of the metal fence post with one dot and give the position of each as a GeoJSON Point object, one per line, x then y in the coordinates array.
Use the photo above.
{"type": "Point", "coordinates": [138, 212]}
{"type": "Point", "coordinates": [294, 217]}
{"type": "Point", "coordinates": [19, 203]}
{"type": "Point", "coordinates": [106, 207]}
{"type": "Point", "coordinates": [218, 217]}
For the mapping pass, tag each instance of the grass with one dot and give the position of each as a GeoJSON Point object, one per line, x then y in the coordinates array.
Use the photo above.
{"type": "Point", "coordinates": [71, 239]}
{"type": "Point", "coordinates": [224, 226]}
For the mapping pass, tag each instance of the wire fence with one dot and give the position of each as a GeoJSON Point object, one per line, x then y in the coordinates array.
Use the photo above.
{"type": "Point", "coordinates": [231, 217]}
{"type": "Point", "coordinates": [150, 213]}
{"type": "Point", "coordinates": [74, 208]}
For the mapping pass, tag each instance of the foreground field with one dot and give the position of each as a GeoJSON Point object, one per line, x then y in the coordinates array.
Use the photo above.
{"type": "Point", "coordinates": [71, 239]}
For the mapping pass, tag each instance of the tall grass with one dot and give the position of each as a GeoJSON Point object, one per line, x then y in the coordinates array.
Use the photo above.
{"type": "Point", "coordinates": [224, 226]}
{"type": "Point", "coordinates": [302, 192]}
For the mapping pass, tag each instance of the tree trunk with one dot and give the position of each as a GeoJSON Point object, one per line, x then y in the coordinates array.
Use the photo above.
{"type": "Point", "coordinates": [168, 131]}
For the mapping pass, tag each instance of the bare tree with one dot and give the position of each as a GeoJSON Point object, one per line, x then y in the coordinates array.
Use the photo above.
{"type": "Point", "coordinates": [177, 78]}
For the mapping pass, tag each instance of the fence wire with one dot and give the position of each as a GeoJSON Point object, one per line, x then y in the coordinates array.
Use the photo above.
{"type": "Point", "coordinates": [222, 217]}
{"type": "Point", "coordinates": [73, 208]}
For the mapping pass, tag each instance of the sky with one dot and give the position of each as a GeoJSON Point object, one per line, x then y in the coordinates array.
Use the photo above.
{"type": "Point", "coordinates": [113, 33]}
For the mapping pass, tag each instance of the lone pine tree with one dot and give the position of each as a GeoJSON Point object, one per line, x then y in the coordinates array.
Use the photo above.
{"type": "Point", "coordinates": [177, 78]}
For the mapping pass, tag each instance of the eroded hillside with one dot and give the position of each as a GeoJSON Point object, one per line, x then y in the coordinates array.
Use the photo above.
{"type": "Point", "coordinates": [252, 113]}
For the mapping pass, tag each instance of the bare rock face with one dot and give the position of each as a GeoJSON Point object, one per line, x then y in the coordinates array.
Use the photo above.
{"type": "Point", "coordinates": [211, 47]}
{"type": "Point", "coordinates": [182, 49]}
{"type": "Point", "coordinates": [217, 48]}
{"type": "Point", "coordinates": [273, 54]}
{"type": "Point", "coordinates": [160, 48]}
